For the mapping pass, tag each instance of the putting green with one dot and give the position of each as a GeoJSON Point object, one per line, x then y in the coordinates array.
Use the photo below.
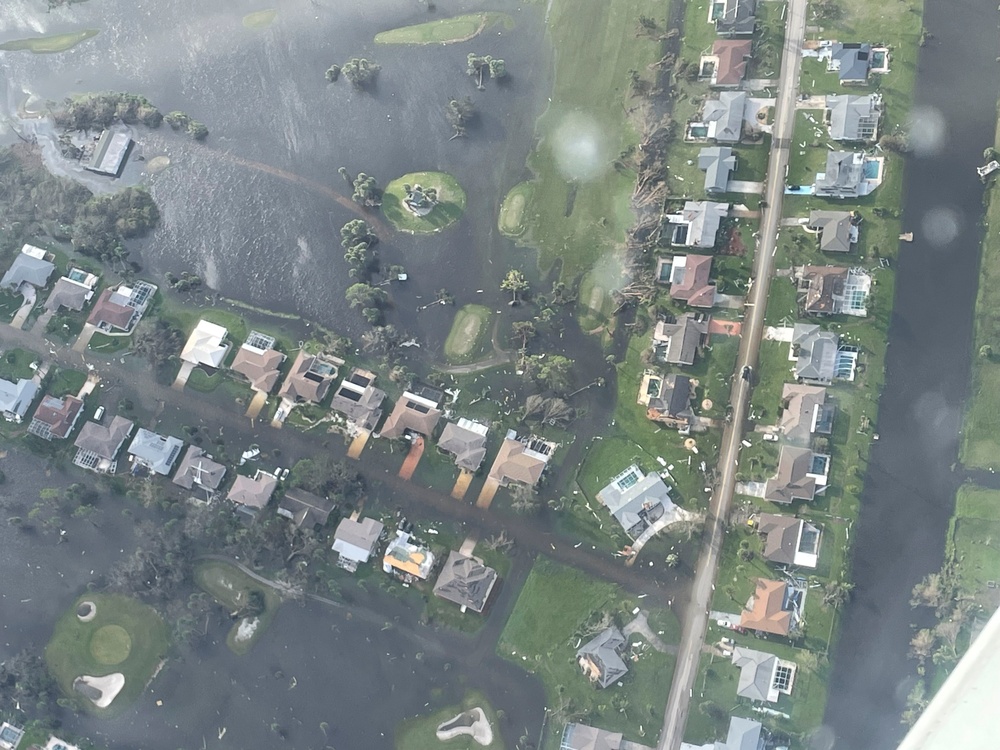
{"type": "Point", "coordinates": [49, 44]}
{"type": "Point", "coordinates": [446, 30]}
{"type": "Point", "coordinates": [260, 19]}
{"type": "Point", "coordinates": [467, 333]}
{"type": "Point", "coordinates": [511, 219]}
{"type": "Point", "coordinates": [110, 644]}
{"type": "Point", "coordinates": [449, 208]}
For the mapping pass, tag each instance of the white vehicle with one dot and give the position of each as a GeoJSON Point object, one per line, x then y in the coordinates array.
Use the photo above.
{"type": "Point", "coordinates": [99, 414]}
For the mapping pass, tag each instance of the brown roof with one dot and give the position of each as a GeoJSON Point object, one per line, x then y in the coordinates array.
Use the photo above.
{"type": "Point", "coordinates": [305, 509]}
{"type": "Point", "coordinates": [303, 385]}
{"type": "Point", "coordinates": [694, 288]}
{"type": "Point", "coordinates": [411, 414]}
{"type": "Point", "coordinates": [514, 464]}
{"type": "Point", "coordinates": [253, 492]}
{"type": "Point", "coordinates": [110, 313]}
{"type": "Point", "coordinates": [792, 481]}
{"type": "Point", "coordinates": [197, 465]}
{"type": "Point", "coordinates": [766, 608]}
{"type": "Point", "coordinates": [825, 283]}
{"type": "Point", "coordinates": [58, 414]}
{"type": "Point", "coordinates": [259, 367]}
{"type": "Point", "coordinates": [104, 440]}
{"type": "Point", "coordinates": [732, 65]}
{"type": "Point", "coordinates": [781, 537]}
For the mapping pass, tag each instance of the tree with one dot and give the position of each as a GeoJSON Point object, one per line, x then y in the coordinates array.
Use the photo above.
{"type": "Point", "coordinates": [459, 113]}
{"type": "Point", "coordinates": [515, 283]}
{"type": "Point", "coordinates": [366, 191]}
{"type": "Point", "coordinates": [358, 240]}
{"type": "Point", "coordinates": [986, 351]}
{"type": "Point", "coordinates": [498, 68]}
{"type": "Point", "coordinates": [552, 372]}
{"type": "Point", "coordinates": [381, 339]}
{"type": "Point", "coordinates": [478, 65]}
{"type": "Point", "coordinates": [355, 232]}
{"type": "Point", "coordinates": [837, 593]}
{"type": "Point", "coordinates": [522, 332]}
{"type": "Point", "coordinates": [159, 342]}
{"type": "Point", "coordinates": [197, 130]}
{"type": "Point", "coordinates": [325, 476]}
{"type": "Point", "coordinates": [360, 72]}
{"type": "Point", "coordinates": [333, 73]}
{"type": "Point", "coordinates": [745, 553]}
{"type": "Point", "coordinates": [26, 684]}
{"type": "Point", "coordinates": [523, 499]}
{"type": "Point", "coordinates": [672, 560]}
{"type": "Point", "coordinates": [365, 295]}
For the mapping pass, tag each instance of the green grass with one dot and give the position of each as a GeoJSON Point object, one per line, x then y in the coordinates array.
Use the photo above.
{"type": "Point", "coordinates": [773, 371]}
{"type": "Point", "coordinates": [66, 381]}
{"type": "Point", "coordinates": [450, 207]}
{"type": "Point", "coordinates": [15, 364]}
{"type": "Point", "coordinates": [125, 636]}
{"type": "Point", "coordinates": [977, 502]}
{"type": "Point", "coordinates": [229, 586]}
{"type": "Point", "coordinates": [9, 305]}
{"type": "Point", "coordinates": [101, 342]}
{"type": "Point", "coordinates": [975, 540]}
{"type": "Point", "coordinates": [49, 44]}
{"type": "Point", "coordinates": [556, 608]}
{"type": "Point", "coordinates": [469, 333]}
{"type": "Point", "coordinates": [577, 217]}
{"type": "Point", "coordinates": [260, 19]}
{"type": "Point", "coordinates": [419, 733]}
{"type": "Point", "coordinates": [511, 220]}
{"type": "Point", "coordinates": [594, 303]}
{"type": "Point", "coordinates": [445, 30]}
{"type": "Point", "coordinates": [805, 161]}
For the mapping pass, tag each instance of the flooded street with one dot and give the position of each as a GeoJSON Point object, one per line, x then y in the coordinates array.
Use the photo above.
{"type": "Point", "coordinates": [910, 489]}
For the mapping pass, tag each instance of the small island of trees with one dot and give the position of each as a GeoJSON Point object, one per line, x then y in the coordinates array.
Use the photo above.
{"type": "Point", "coordinates": [361, 72]}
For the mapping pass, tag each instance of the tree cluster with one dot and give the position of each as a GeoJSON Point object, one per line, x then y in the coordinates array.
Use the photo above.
{"type": "Point", "coordinates": [359, 242]}
{"type": "Point", "coordinates": [104, 222]}
{"type": "Point", "coordinates": [181, 121]}
{"type": "Point", "coordinates": [98, 111]}
{"type": "Point", "coordinates": [159, 342]}
{"type": "Point", "coordinates": [329, 478]}
{"type": "Point", "coordinates": [371, 299]}
{"type": "Point", "coordinates": [459, 113]}
{"type": "Point", "coordinates": [479, 65]}
{"type": "Point", "coordinates": [362, 73]}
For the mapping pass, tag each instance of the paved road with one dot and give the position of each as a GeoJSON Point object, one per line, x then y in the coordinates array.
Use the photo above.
{"type": "Point", "coordinates": [695, 622]}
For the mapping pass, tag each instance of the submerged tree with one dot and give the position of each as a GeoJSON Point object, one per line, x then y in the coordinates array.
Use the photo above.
{"type": "Point", "coordinates": [460, 113]}
{"type": "Point", "coordinates": [515, 283]}
{"type": "Point", "coordinates": [360, 72]}
{"type": "Point", "coordinates": [365, 296]}
{"type": "Point", "coordinates": [479, 65]}
{"type": "Point", "coordinates": [359, 242]}
{"type": "Point", "coordinates": [333, 73]}
{"type": "Point", "coordinates": [366, 191]}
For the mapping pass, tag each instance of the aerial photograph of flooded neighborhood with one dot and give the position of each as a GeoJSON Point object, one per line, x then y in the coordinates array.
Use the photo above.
{"type": "Point", "coordinates": [499, 374]}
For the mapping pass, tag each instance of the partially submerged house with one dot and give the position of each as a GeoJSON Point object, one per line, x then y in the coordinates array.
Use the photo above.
{"type": "Point", "coordinates": [815, 353]}
{"type": "Point", "coordinates": [724, 116]}
{"type": "Point", "coordinates": [198, 469]}
{"type": "Point", "coordinates": [788, 540]}
{"type": "Point", "coordinates": [844, 176]}
{"type": "Point", "coordinates": [744, 734]}
{"type": "Point", "coordinates": [119, 310]}
{"type": "Point", "coordinates": [31, 267]}
{"type": "Point", "coordinates": [10, 736]}
{"type": "Point", "coordinates": [407, 560]}
{"type": "Point", "coordinates": [805, 412]}
{"type": "Point", "coordinates": [252, 494]}
{"type": "Point", "coordinates": [310, 378]}
{"type": "Point", "coordinates": [55, 417]}
{"type": "Point", "coordinates": [852, 61]}
{"type": "Point", "coordinates": [636, 500]}
{"type": "Point", "coordinates": [155, 452]}
{"type": "Point", "coordinates": [734, 17]}
{"type": "Point", "coordinates": [466, 441]}
{"type": "Point", "coordinates": [600, 659]}
{"type": "Point", "coordinates": [305, 509]}
{"type": "Point", "coordinates": [359, 400]}
{"type": "Point", "coordinates": [769, 609]}
{"type": "Point", "coordinates": [98, 445]}
{"type": "Point", "coordinates": [355, 541]}
{"type": "Point", "coordinates": [680, 342]}
{"type": "Point", "coordinates": [110, 153]}
{"type": "Point", "coordinates": [466, 581]}
{"type": "Point", "coordinates": [72, 291]}
{"type": "Point", "coordinates": [521, 460]}
{"type": "Point", "coordinates": [853, 119]}
{"type": "Point", "coordinates": [206, 345]}
{"type": "Point", "coordinates": [697, 224]}
{"type": "Point", "coordinates": [763, 677]}
{"type": "Point", "coordinates": [801, 475]}
{"type": "Point", "coordinates": [258, 361]}
{"type": "Point", "coordinates": [670, 404]}
{"type": "Point", "coordinates": [416, 413]}
{"type": "Point", "coordinates": [837, 231]}
{"type": "Point", "coordinates": [16, 398]}
{"type": "Point", "coordinates": [691, 280]}
{"type": "Point", "coordinates": [718, 163]}
{"type": "Point", "coordinates": [726, 65]}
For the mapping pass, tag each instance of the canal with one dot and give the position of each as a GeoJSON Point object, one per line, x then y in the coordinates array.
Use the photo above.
{"type": "Point", "coordinates": [910, 488]}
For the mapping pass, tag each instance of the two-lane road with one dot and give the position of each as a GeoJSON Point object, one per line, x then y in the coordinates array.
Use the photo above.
{"type": "Point", "coordinates": [696, 617]}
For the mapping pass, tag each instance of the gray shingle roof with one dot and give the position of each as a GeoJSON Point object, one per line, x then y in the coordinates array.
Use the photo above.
{"type": "Point", "coordinates": [673, 402]}
{"type": "Point", "coordinates": [681, 340]}
{"type": "Point", "coordinates": [305, 509]}
{"type": "Point", "coordinates": [157, 452]}
{"type": "Point", "coordinates": [15, 398]}
{"type": "Point", "coordinates": [816, 361]}
{"type": "Point", "coordinates": [466, 581]}
{"type": "Point", "coordinates": [727, 113]}
{"type": "Point", "coordinates": [844, 175]}
{"type": "Point", "coordinates": [855, 61]}
{"type": "Point", "coordinates": [792, 480]}
{"type": "Point", "coordinates": [104, 440]}
{"type": "Point", "coordinates": [802, 406]}
{"type": "Point", "coordinates": [468, 447]}
{"type": "Point", "coordinates": [717, 162]}
{"type": "Point", "coordinates": [738, 18]}
{"type": "Point", "coordinates": [356, 540]}
{"type": "Point", "coordinates": [756, 671]}
{"type": "Point", "coordinates": [67, 293]}
{"type": "Point", "coordinates": [637, 506]}
{"type": "Point", "coordinates": [27, 269]}
{"type": "Point", "coordinates": [601, 657]}
{"type": "Point", "coordinates": [853, 118]}
{"type": "Point", "coordinates": [835, 230]}
{"type": "Point", "coordinates": [197, 468]}
{"type": "Point", "coordinates": [583, 737]}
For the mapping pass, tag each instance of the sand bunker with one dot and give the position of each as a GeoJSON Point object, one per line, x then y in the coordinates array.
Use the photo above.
{"type": "Point", "coordinates": [472, 723]}
{"type": "Point", "coordinates": [86, 612]}
{"type": "Point", "coordinates": [100, 691]}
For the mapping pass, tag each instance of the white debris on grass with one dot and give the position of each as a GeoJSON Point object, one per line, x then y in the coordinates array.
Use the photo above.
{"type": "Point", "coordinates": [247, 629]}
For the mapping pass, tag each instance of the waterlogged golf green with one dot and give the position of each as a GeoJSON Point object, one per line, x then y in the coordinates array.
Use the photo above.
{"type": "Point", "coordinates": [260, 19]}
{"type": "Point", "coordinates": [44, 45]}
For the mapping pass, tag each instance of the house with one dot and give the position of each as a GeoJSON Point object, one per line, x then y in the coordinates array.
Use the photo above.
{"type": "Point", "coordinates": [252, 494]}
{"type": "Point", "coordinates": [724, 116]}
{"type": "Point", "coordinates": [359, 400]}
{"type": "Point", "coordinates": [636, 500]}
{"type": "Point", "coordinates": [15, 398]}
{"type": "Point", "coordinates": [769, 608]}
{"type": "Point", "coordinates": [466, 581]}
{"type": "Point", "coordinates": [600, 659]}
{"type": "Point", "coordinates": [718, 163]}
{"type": "Point", "coordinates": [727, 64]}
{"type": "Point", "coordinates": [852, 62]}
{"type": "Point", "coordinates": [258, 361]}
{"type": "Point", "coordinates": [466, 441]}
{"type": "Point", "coordinates": [110, 153]}
{"type": "Point", "coordinates": [206, 345]}
{"type": "Point", "coordinates": [55, 743]}
{"type": "Point", "coordinates": [10, 736]}
{"type": "Point", "coordinates": [121, 309]}
{"type": "Point", "coordinates": [414, 413]}
{"type": "Point", "coordinates": [583, 737]}
{"type": "Point", "coordinates": [310, 377]}
{"type": "Point", "coordinates": [72, 291]}
{"type": "Point", "coordinates": [830, 290]}
{"type": "Point", "coordinates": [305, 509]}
{"type": "Point", "coordinates": [199, 468]}
{"type": "Point", "coordinates": [697, 225]}
{"type": "Point", "coordinates": [407, 560]}
{"type": "Point", "coordinates": [789, 541]}
{"type": "Point", "coordinates": [801, 475]}
{"type": "Point", "coordinates": [853, 118]}
{"type": "Point", "coordinates": [29, 267]}
{"type": "Point", "coordinates": [680, 342]}
{"type": "Point", "coordinates": [763, 677]}
{"type": "Point", "coordinates": [837, 229]}
{"type": "Point", "coordinates": [804, 413]}
{"type": "Point", "coordinates": [55, 418]}
{"type": "Point", "coordinates": [156, 452]}
{"type": "Point", "coordinates": [744, 734]}
{"type": "Point", "coordinates": [98, 445]}
{"type": "Point", "coordinates": [815, 353]}
{"type": "Point", "coordinates": [521, 460]}
{"type": "Point", "coordinates": [671, 403]}
{"type": "Point", "coordinates": [844, 176]}
{"type": "Point", "coordinates": [735, 18]}
{"type": "Point", "coordinates": [690, 280]}
{"type": "Point", "coordinates": [355, 541]}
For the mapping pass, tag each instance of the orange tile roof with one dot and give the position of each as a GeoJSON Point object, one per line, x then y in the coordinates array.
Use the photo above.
{"type": "Point", "coordinates": [766, 612]}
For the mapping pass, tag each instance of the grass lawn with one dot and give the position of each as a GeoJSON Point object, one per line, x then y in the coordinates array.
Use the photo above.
{"type": "Point", "coordinates": [66, 382]}
{"type": "Point", "coordinates": [559, 606]}
{"type": "Point", "coordinates": [260, 19]}
{"type": "Point", "coordinates": [774, 369]}
{"type": "Point", "coordinates": [594, 303]}
{"type": "Point", "coordinates": [9, 305]}
{"type": "Point", "coordinates": [15, 364]}
{"type": "Point", "coordinates": [469, 333]}
{"type": "Point", "coordinates": [101, 342]}
{"type": "Point", "coordinates": [449, 209]}
{"type": "Point", "coordinates": [511, 220]}
{"type": "Point", "coordinates": [49, 44]}
{"type": "Point", "coordinates": [230, 587]}
{"type": "Point", "coordinates": [125, 636]}
{"type": "Point", "coordinates": [581, 205]}
{"type": "Point", "coordinates": [975, 540]}
{"type": "Point", "coordinates": [419, 733]}
{"type": "Point", "coordinates": [446, 30]}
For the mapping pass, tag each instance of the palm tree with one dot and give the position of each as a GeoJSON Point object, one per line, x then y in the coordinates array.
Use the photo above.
{"type": "Point", "coordinates": [837, 593]}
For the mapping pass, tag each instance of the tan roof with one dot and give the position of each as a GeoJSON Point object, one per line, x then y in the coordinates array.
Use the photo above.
{"type": "Point", "coordinates": [732, 65]}
{"type": "Point", "coordinates": [411, 414]}
{"type": "Point", "coordinates": [303, 385]}
{"type": "Point", "coordinates": [196, 465]}
{"type": "Point", "coordinates": [695, 288]}
{"type": "Point", "coordinates": [259, 367]}
{"type": "Point", "coordinates": [253, 492]}
{"type": "Point", "coordinates": [800, 403]}
{"type": "Point", "coordinates": [766, 611]}
{"type": "Point", "coordinates": [513, 463]}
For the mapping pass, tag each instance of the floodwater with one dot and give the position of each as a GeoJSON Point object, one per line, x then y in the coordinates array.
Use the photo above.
{"type": "Point", "coordinates": [909, 492]}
